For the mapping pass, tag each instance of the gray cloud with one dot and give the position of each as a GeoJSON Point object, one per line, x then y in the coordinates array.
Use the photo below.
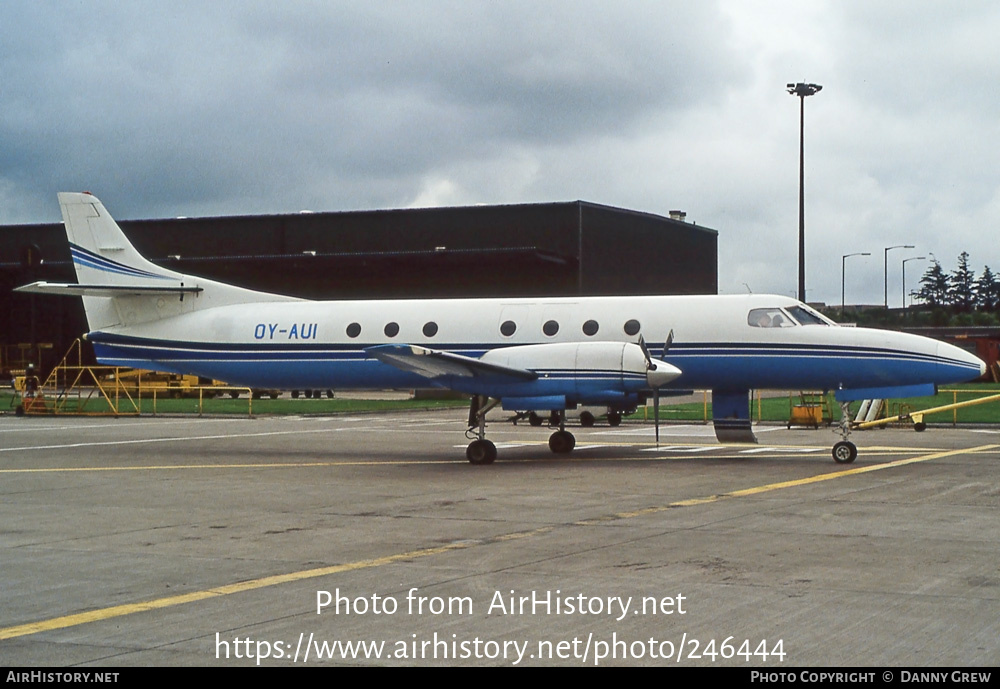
{"type": "Point", "coordinates": [234, 107]}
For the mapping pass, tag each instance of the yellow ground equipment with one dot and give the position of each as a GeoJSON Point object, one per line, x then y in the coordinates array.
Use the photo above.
{"type": "Point", "coordinates": [145, 383]}
{"type": "Point", "coordinates": [813, 409]}
{"type": "Point", "coordinates": [917, 417]}
{"type": "Point", "coordinates": [75, 388]}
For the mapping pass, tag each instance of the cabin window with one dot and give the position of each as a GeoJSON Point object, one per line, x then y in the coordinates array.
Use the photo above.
{"type": "Point", "coordinates": [354, 329]}
{"type": "Point", "coordinates": [632, 327]}
{"type": "Point", "coordinates": [550, 328]}
{"type": "Point", "coordinates": [430, 329]}
{"type": "Point", "coordinates": [590, 328]}
{"type": "Point", "coordinates": [508, 328]}
{"type": "Point", "coordinates": [769, 318]}
{"type": "Point", "coordinates": [391, 329]}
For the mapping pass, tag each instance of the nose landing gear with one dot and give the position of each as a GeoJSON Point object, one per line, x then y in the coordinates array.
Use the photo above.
{"type": "Point", "coordinates": [844, 451]}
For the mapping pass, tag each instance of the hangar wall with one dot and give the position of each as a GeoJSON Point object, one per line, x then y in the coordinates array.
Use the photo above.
{"type": "Point", "coordinates": [551, 249]}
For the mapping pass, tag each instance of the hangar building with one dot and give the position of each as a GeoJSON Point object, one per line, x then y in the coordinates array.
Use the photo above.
{"type": "Point", "coordinates": [549, 249]}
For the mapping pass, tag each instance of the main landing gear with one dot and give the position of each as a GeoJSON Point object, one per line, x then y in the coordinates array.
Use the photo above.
{"type": "Point", "coordinates": [845, 452]}
{"type": "Point", "coordinates": [562, 441]}
{"type": "Point", "coordinates": [482, 451]}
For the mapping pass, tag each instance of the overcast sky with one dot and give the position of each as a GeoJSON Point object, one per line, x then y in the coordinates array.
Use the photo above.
{"type": "Point", "coordinates": [215, 108]}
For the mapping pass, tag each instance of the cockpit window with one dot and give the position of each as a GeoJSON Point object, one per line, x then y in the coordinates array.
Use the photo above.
{"type": "Point", "coordinates": [807, 316]}
{"type": "Point", "coordinates": [770, 318]}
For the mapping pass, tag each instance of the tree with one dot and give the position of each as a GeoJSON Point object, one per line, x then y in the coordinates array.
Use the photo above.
{"type": "Point", "coordinates": [962, 285]}
{"type": "Point", "coordinates": [987, 291]}
{"type": "Point", "coordinates": [935, 284]}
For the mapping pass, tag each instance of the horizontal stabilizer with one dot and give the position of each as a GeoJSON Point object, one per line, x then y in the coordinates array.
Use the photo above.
{"type": "Point", "coordinates": [76, 290]}
{"type": "Point", "coordinates": [432, 364]}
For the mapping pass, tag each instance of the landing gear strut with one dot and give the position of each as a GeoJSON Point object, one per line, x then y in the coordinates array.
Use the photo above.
{"type": "Point", "coordinates": [845, 452]}
{"type": "Point", "coordinates": [480, 450]}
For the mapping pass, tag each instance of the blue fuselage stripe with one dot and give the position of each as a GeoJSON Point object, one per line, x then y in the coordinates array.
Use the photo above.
{"type": "Point", "coordinates": [704, 365]}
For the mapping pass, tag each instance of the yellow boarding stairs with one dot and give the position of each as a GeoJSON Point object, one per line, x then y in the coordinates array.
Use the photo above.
{"type": "Point", "coordinates": [73, 388]}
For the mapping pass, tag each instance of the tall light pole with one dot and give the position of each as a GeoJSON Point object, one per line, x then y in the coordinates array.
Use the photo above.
{"type": "Point", "coordinates": [914, 258]}
{"type": "Point", "coordinates": [843, 260]}
{"type": "Point", "coordinates": [802, 90]}
{"type": "Point", "coordinates": [886, 266]}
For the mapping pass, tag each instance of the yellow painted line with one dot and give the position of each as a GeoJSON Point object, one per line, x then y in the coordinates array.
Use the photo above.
{"type": "Point", "coordinates": [263, 582]}
{"type": "Point", "coordinates": [757, 490]}
{"type": "Point", "coordinates": [240, 587]}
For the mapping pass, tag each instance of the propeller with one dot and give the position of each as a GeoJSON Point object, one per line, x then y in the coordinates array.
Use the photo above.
{"type": "Point", "coordinates": [656, 381]}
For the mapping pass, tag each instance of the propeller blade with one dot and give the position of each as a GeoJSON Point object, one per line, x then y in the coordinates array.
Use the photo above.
{"type": "Point", "coordinates": [655, 381]}
{"type": "Point", "coordinates": [650, 366]}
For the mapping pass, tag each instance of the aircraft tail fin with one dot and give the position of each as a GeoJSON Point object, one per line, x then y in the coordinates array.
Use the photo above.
{"type": "Point", "coordinates": [102, 254]}
{"type": "Point", "coordinates": [119, 286]}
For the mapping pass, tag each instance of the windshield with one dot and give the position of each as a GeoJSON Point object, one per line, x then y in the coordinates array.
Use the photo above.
{"type": "Point", "coordinates": [785, 318]}
{"type": "Point", "coordinates": [807, 316]}
{"type": "Point", "coordinates": [770, 318]}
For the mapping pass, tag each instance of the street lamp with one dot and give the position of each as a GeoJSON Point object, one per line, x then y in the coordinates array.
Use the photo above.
{"type": "Point", "coordinates": [843, 260]}
{"type": "Point", "coordinates": [802, 90]}
{"type": "Point", "coordinates": [914, 258]}
{"type": "Point", "coordinates": [886, 267]}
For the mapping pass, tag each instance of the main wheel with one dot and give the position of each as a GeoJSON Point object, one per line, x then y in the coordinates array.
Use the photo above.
{"type": "Point", "coordinates": [534, 419]}
{"type": "Point", "coordinates": [614, 418]}
{"type": "Point", "coordinates": [562, 442]}
{"type": "Point", "coordinates": [586, 419]}
{"type": "Point", "coordinates": [845, 452]}
{"type": "Point", "coordinates": [481, 452]}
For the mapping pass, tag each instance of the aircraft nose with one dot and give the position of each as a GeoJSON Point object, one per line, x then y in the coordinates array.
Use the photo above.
{"type": "Point", "coordinates": [957, 358]}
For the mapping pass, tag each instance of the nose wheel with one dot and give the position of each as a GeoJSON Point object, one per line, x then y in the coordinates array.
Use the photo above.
{"type": "Point", "coordinates": [845, 452]}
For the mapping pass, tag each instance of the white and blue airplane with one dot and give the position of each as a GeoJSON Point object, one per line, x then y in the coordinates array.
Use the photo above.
{"type": "Point", "coordinates": [548, 354]}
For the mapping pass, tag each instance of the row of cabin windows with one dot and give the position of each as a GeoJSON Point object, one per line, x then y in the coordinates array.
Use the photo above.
{"type": "Point", "coordinates": [507, 328]}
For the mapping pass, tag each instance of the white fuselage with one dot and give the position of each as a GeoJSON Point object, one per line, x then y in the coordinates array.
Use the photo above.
{"type": "Point", "coordinates": [323, 344]}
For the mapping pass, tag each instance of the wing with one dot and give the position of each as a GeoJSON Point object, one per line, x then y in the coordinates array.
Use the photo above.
{"type": "Point", "coordinates": [434, 364]}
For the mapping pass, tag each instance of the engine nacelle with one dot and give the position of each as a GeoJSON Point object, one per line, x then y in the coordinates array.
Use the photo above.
{"type": "Point", "coordinates": [587, 371]}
